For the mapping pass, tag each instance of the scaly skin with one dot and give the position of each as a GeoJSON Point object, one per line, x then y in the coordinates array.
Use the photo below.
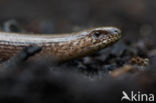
{"type": "Point", "coordinates": [60, 47]}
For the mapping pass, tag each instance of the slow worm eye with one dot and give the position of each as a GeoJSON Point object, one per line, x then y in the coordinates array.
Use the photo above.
{"type": "Point", "coordinates": [98, 34]}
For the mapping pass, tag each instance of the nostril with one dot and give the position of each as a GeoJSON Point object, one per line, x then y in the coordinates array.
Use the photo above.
{"type": "Point", "coordinates": [117, 31]}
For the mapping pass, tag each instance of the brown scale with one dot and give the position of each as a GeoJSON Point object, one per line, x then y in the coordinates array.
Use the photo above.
{"type": "Point", "coordinates": [139, 61]}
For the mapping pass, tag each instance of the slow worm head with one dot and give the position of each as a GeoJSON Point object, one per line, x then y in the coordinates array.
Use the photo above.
{"type": "Point", "coordinates": [60, 47]}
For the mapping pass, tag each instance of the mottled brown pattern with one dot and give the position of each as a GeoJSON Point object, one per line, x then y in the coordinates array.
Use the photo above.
{"type": "Point", "coordinates": [91, 41]}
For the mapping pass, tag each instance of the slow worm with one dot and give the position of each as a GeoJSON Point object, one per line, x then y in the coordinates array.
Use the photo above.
{"type": "Point", "coordinates": [59, 47]}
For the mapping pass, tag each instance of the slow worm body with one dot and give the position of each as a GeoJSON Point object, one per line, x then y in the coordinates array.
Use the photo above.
{"type": "Point", "coordinates": [59, 47]}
